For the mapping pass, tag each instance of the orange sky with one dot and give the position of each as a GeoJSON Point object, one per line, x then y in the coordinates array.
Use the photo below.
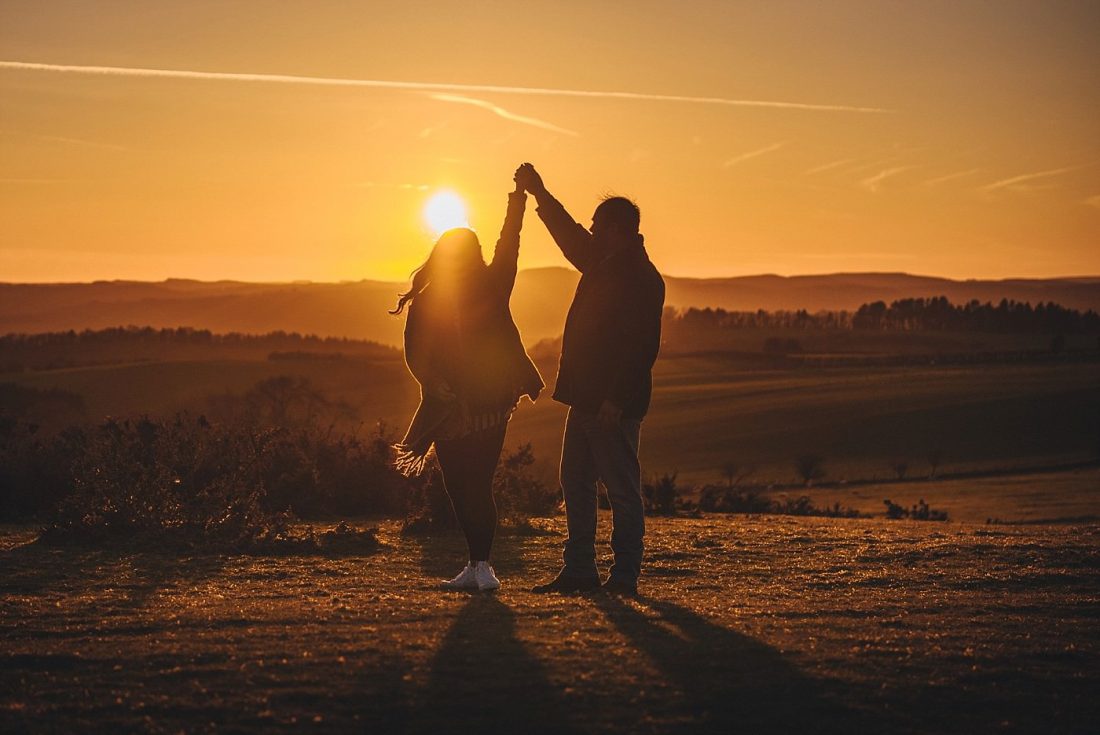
{"type": "Point", "coordinates": [984, 160]}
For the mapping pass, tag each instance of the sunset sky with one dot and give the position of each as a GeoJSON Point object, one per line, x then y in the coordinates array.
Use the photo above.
{"type": "Point", "coordinates": [943, 138]}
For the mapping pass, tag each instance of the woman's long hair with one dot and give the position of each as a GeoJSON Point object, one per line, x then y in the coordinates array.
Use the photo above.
{"type": "Point", "coordinates": [457, 252]}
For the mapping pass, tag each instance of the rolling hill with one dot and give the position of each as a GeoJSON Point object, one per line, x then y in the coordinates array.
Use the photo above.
{"type": "Point", "coordinates": [358, 309]}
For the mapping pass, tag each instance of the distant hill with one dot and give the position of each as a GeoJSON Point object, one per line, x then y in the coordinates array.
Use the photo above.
{"type": "Point", "coordinates": [540, 300]}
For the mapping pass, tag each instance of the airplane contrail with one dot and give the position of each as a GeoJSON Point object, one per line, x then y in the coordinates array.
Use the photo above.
{"type": "Point", "coordinates": [753, 154]}
{"type": "Point", "coordinates": [418, 86]}
{"type": "Point", "coordinates": [500, 111]}
{"type": "Point", "coordinates": [1028, 177]}
{"type": "Point", "coordinates": [874, 183]}
{"type": "Point", "coordinates": [950, 177]}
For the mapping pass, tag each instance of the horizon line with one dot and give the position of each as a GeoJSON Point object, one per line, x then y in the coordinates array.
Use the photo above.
{"type": "Point", "coordinates": [310, 282]}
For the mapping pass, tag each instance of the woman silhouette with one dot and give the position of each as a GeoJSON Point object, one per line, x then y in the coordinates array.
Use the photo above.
{"type": "Point", "coordinates": [463, 347]}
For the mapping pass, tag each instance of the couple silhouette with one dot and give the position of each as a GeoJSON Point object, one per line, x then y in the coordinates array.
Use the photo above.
{"type": "Point", "coordinates": [463, 348]}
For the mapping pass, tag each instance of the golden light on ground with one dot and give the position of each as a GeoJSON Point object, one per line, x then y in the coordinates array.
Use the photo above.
{"type": "Point", "coordinates": [443, 211]}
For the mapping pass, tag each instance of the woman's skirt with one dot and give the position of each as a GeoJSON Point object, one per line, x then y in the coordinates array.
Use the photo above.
{"type": "Point", "coordinates": [435, 420]}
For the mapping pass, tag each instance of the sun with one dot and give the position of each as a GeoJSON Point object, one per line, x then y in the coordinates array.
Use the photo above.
{"type": "Point", "coordinates": [443, 211]}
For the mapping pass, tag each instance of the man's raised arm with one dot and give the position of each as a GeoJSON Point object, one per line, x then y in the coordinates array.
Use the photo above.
{"type": "Point", "coordinates": [572, 238]}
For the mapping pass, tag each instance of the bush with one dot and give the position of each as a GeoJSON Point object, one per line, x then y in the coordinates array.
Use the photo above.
{"type": "Point", "coordinates": [715, 498]}
{"type": "Point", "coordinates": [429, 508]}
{"type": "Point", "coordinates": [661, 496]}
{"type": "Point", "coordinates": [316, 473]}
{"type": "Point", "coordinates": [181, 480]}
{"type": "Point", "coordinates": [34, 469]}
{"type": "Point", "coordinates": [718, 499]}
{"type": "Point", "coordinates": [188, 478]}
{"type": "Point", "coordinates": [518, 493]}
{"type": "Point", "coordinates": [919, 512]}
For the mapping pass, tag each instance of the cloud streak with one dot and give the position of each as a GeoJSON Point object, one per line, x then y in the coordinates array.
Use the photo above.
{"type": "Point", "coordinates": [951, 177]}
{"type": "Point", "coordinates": [874, 183]}
{"type": "Point", "coordinates": [501, 112]}
{"type": "Point", "coordinates": [1014, 180]}
{"type": "Point", "coordinates": [827, 166]}
{"type": "Point", "coordinates": [126, 71]}
{"type": "Point", "coordinates": [753, 154]}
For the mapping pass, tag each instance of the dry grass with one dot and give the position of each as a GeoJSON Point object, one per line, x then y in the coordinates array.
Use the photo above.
{"type": "Point", "coordinates": [762, 624]}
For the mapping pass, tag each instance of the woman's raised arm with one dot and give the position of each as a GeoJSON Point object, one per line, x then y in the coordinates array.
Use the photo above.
{"type": "Point", "coordinates": [506, 255]}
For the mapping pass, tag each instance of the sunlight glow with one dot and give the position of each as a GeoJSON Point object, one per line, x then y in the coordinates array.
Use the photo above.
{"type": "Point", "coordinates": [445, 210]}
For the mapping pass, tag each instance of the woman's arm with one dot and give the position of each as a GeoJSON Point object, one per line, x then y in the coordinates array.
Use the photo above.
{"type": "Point", "coordinates": [506, 255]}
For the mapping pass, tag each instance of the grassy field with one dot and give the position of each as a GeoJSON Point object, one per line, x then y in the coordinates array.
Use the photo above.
{"type": "Point", "coordinates": [1031, 498]}
{"type": "Point", "coordinates": [709, 410]}
{"type": "Point", "coordinates": [745, 624]}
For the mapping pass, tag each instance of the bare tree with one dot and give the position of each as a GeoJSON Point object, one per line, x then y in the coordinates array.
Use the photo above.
{"type": "Point", "coordinates": [810, 467]}
{"type": "Point", "coordinates": [736, 473]}
{"type": "Point", "coordinates": [935, 457]}
{"type": "Point", "coordinates": [729, 471]}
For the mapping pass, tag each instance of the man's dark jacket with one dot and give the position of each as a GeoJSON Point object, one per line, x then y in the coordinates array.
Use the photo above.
{"type": "Point", "coordinates": [613, 331]}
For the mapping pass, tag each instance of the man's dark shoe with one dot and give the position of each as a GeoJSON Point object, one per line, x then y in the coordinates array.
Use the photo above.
{"type": "Point", "coordinates": [619, 586]}
{"type": "Point", "coordinates": [565, 584]}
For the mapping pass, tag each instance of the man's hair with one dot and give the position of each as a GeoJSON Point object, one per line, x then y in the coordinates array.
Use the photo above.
{"type": "Point", "coordinates": [622, 212]}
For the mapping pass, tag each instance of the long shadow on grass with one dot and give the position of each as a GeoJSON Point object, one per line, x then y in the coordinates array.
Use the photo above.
{"type": "Point", "coordinates": [484, 680]}
{"type": "Point", "coordinates": [730, 682]}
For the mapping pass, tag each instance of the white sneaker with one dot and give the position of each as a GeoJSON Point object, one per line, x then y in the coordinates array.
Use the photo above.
{"type": "Point", "coordinates": [466, 580]}
{"type": "Point", "coordinates": [486, 577]}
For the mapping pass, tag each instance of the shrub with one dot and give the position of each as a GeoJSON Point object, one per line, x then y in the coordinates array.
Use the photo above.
{"type": "Point", "coordinates": [660, 497]}
{"type": "Point", "coordinates": [519, 493]}
{"type": "Point", "coordinates": [188, 478]}
{"type": "Point", "coordinates": [318, 473]}
{"type": "Point", "coordinates": [718, 499]}
{"type": "Point", "coordinates": [429, 508]}
{"type": "Point", "coordinates": [919, 512]}
{"type": "Point", "coordinates": [34, 468]}
{"type": "Point", "coordinates": [182, 480]}
{"type": "Point", "coordinates": [714, 498]}
{"type": "Point", "coordinates": [894, 511]}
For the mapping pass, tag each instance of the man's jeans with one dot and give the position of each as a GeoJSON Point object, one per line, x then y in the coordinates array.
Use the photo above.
{"type": "Point", "coordinates": [592, 451]}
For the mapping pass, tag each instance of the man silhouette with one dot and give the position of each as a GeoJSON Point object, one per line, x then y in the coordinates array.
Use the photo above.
{"type": "Point", "coordinates": [611, 339]}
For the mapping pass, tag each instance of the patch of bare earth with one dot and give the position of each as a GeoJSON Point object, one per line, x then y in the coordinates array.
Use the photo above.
{"type": "Point", "coordinates": [745, 624]}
